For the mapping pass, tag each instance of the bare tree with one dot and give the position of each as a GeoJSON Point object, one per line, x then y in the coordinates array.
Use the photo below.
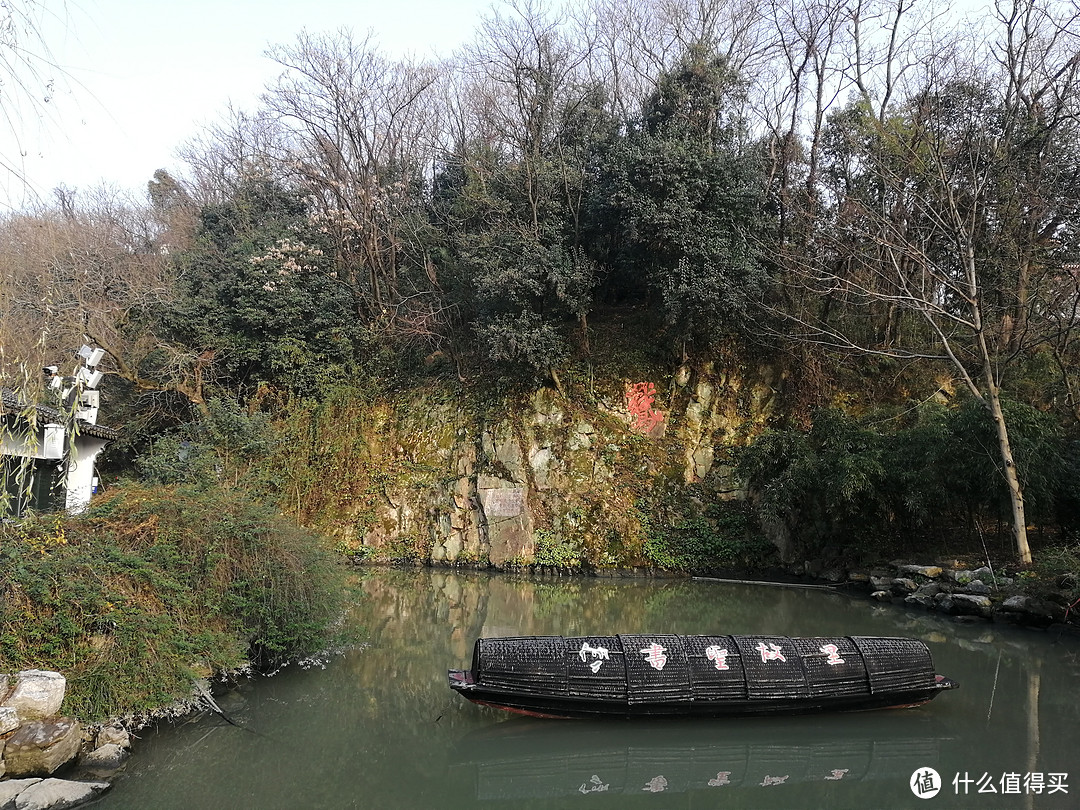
{"type": "Point", "coordinates": [632, 43]}
{"type": "Point", "coordinates": [29, 76]}
{"type": "Point", "coordinates": [952, 215]}
{"type": "Point", "coordinates": [528, 79]}
{"type": "Point", "coordinates": [92, 270]}
{"type": "Point", "coordinates": [808, 40]}
{"type": "Point", "coordinates": [241, 146]}
{"type": "Point", "coordinates": [363, 134]}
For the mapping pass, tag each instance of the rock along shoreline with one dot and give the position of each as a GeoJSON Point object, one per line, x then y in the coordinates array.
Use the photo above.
{"type": "Point", "coordinates": [969, 594]}
{"type": "Point", "coordinates": [36, 742]}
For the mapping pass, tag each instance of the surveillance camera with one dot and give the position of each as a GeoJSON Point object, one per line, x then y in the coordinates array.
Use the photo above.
{"type": "Point", "coordinates": [50, 371]}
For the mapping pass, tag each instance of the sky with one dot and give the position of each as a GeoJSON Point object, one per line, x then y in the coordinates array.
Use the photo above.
{"type": "Point", "coordinates": [138, 78]}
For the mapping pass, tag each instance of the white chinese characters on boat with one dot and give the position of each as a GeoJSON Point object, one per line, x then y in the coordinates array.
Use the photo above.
{"type": "Point", "coordinates": [833, 652]}
{"type": "Point", "coordinates": [654, 655]}
{"type": "Point", "coordinates": [718, 655]}
{"type": "Point", "coordinates": [598, 655]}
{"type": "Point", "coordinates": [772, 652]}
{"type": "Point", "coordinates": [769, 781]}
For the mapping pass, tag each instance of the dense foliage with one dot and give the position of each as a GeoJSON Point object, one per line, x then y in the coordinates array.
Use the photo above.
{"type": "Point", "coordinates": [812, 184]}
{"type": "Point", "coordinates": [155, 587]}
{"type": "Point", "coordinates": [875, 487]}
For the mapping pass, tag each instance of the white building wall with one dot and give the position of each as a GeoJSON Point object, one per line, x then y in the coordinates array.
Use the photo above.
{"type": "Point", "coordinates": [80, 477]}
{"type": "Point", "coordinates": [48, 443]}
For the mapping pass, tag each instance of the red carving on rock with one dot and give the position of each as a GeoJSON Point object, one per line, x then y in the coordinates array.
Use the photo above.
{"type": "Point", "coordinates": [639, 400]}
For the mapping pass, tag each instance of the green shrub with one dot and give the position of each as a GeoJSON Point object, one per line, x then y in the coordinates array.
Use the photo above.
{"type": "Point", "coordinates": [220, 445]}
{"type": "Point", "coordinates": [552, 549]}
{"type": "Point", "coordinates": [152, 586]}
{"type": "Point", "coordinates": [932, 473]}
{"type": "Point", "coordinates": [714, 537]}
{"type": "Point", "coordinates": [1057, 569]}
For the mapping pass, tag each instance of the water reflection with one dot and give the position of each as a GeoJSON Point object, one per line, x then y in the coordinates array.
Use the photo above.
{"type": "Point", "coordinates": [379, 728]}
{"type": "Point", "coordinates": [521, 760]}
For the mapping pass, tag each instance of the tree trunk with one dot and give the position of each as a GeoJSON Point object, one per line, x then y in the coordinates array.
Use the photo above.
{"type": "Point", "coordinates": [1016, 492]}
{"type": "Point", "coordinates": [992, 400]}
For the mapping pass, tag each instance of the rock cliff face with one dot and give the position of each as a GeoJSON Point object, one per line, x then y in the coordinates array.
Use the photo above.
{"type": "Point", "coordinates": [546, 479]}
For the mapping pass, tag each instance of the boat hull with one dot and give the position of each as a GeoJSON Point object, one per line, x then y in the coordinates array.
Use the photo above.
{"type": "Point", "coordinates": [667, 676]}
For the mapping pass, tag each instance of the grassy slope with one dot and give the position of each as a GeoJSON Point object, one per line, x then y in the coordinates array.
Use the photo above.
{"type": "Point", "coordinates": [156, 586]}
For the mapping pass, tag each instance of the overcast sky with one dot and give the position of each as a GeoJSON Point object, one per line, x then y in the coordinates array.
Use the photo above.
{"type": "Point", "coordinates": [142, 76]}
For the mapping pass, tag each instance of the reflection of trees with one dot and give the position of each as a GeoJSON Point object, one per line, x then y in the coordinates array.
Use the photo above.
{"type": "Point", "coordinates": [1034, 681]}
{"type": "Point", "coordinates": [424, 622]}
{"type": "Point", "coordinates": [380, 726]}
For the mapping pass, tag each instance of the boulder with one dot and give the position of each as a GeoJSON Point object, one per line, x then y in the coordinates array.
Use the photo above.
{"type": "Point", "coordinates": [9, 719]}
{"type": "Point", "coordinates": [39, 747]}
{"type": "Point", "coordinates": [11, 788]}
{"type": "Point", "coordinates": [57, 794]}
{"type": "Point", "coordinates": [960, 576]}
{"type": "Point", "coordinates": [112, 735]}
{"type": "Point", "coordinates": [104, 760]}
{"type": "Point", "coordinates": [977, 587]}
{"type": "Point", "coordinates": [880, 583]}
{"type": "Point", "coordinates": [920, 599]}
{"type": "Point", "coordinates": [1031, 609]}
{"type": "Point", "coordinates": [901, 586]}
{"type": "Point", "coordinates": [929, 571]}
{"type": "Point", "coordinates": [37, 694]}
{"type": "Point", "coordinates": [972, 605]}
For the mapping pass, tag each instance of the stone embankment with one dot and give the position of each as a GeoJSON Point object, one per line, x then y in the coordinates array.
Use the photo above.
{"type": "Point", "coordinates": [37, 742]}
{"type": "Point", "coordinates": [974, 593]}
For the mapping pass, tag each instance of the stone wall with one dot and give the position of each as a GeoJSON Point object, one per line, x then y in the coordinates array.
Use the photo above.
{"type": "Point", "coordinates": [464, 484]}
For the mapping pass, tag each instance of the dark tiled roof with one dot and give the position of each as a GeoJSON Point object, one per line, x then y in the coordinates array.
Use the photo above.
{"type": "Point", "coordinates": [13, 404]}
{"type": "Point", "coordinates": [84, 428]}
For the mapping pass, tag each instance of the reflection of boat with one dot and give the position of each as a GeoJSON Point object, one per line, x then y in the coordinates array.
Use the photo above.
{"type": "Point", "coordinates": [700, 676]}
{"type": "Point", "coordinates": [757, 756]}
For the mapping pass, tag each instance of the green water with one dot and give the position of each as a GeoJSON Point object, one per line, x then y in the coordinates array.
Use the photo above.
{"type": "Point", "coordinates": [377, 727]}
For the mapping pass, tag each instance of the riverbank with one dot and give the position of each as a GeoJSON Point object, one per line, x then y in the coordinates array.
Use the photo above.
{"type": "Point", "coordinates": [122, 611]}
{"type": "Point", "coordinates": [155, 587]}
{"type": "Point", "coordinates": [1033, 597]}
{"type": "Point", "coordinates": [36, 741]}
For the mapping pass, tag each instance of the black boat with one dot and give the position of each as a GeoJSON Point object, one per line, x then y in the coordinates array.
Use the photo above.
{"type": "Point", "coordinates": [697, 676]}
